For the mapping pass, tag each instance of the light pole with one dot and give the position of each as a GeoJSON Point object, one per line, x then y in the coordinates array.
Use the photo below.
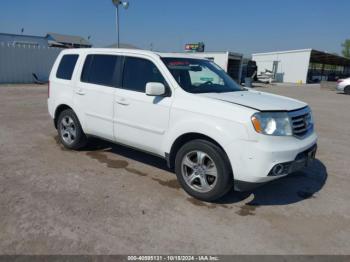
{"type": "Point", "coordinates": [125, 5]}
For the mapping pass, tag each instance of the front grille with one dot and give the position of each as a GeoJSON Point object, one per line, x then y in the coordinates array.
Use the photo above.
{"type": "Point", "coordinates": [301, 122]}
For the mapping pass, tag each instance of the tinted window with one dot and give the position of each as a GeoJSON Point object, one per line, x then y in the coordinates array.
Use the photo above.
{"type": "Point", "coordinates": [200, 76]}
{"type": "Point", "coordinates": [138, 72]}
{"type": "Point", "coordinates": [100, 70]}
{"type": "Point", "coordinates": [66, 67]}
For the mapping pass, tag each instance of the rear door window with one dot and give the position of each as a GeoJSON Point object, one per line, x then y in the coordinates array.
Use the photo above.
{"type": "Point", "coordinates": [101, 70]}
{"type": "Point", "coordinates": [138, 72]}
{"type": "Point", "coordinates": [66, 67]}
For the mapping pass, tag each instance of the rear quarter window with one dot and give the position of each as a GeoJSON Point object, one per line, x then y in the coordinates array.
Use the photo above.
{"type": "Point", "coordinates": [66, 67]}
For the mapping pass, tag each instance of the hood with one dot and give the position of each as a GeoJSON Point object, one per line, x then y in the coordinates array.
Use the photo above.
{"type": "Point", "coordinates": [258, 100]}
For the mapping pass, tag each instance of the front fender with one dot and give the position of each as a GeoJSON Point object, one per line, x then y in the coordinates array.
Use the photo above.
{"type": "Point", "coordinates": [224, 132]}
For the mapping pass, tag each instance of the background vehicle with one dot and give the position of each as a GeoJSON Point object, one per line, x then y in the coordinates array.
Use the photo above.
{"type": "Point", "coordinates": [185, 109]}
{"type": "Point", "coordinates": [249, 69]}
{"type": "Point", "coordinates": [343, 85]}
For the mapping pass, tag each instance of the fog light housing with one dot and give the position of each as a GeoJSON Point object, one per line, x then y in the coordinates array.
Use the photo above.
{"type": "Point", "coordinates": [281, 169]}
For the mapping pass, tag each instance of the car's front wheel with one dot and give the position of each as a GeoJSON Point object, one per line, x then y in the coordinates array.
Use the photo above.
{"type": "Point", "coordinates": [69, 130]}
{"type": "Point", "coordinates": [203, 170]}
{"type": "Point", "coordinates": [347, 90]}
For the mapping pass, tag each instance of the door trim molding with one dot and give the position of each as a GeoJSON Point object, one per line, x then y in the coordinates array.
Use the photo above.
{"type": "Point", "coordinates": [99, 116]}
{"type": "Point", "coordinates": [144, 128]}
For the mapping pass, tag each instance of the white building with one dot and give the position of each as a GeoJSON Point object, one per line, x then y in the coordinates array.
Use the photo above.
{"type": "Point", "coordinates": [302, 66]}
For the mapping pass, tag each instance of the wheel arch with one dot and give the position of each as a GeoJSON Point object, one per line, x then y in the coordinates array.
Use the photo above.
{"type": "Point", "coordinates": [347, 89]}
{"type": "Point", "coordinates": [185, 138]}
{"type": "Point", "coordinates": [59, 110]}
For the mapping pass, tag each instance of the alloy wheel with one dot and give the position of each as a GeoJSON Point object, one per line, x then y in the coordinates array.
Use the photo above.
{"type": "Point", "coordinates": [199, 171]}
{"type": "Point", "coordinates": [68, 130]}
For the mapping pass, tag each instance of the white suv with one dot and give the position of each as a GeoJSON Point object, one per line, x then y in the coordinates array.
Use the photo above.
{"type": "Point", "coordinates": [213, 132]}
{"type": "Point", "coordinates": [343, 85]}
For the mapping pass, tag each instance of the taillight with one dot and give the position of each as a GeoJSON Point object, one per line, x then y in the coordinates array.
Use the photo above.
{"type": "Point", "coordinates": [48, 89]}
{"type": "Point", "coordinates": [340, 80]}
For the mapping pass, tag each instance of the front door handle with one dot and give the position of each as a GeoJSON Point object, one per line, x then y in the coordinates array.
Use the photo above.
{"type": "Point", "coordinates": [122, 101]}
{"type": "Point", "coordinates": [80, 92]}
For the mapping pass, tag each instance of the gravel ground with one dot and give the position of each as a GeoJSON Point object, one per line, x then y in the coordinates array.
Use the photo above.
{"type": "Point", "coordinates": [109, 199]}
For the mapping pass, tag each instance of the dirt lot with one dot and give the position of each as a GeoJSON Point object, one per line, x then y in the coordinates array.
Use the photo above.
{"type": "Point", "coordinates": [110, 200]}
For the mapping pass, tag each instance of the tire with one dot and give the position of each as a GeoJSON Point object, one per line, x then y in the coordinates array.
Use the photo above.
{"type": "Point", "coordinates": [347, 90]}
{"type": "Point", "coordinates": [69, 130]}
{"type": "Point", "coordinates": [195, 164]}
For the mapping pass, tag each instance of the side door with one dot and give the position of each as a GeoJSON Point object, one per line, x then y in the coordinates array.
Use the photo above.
{"type": "Point", "coordinates": [141, 121]}
{"type": "Point", "coordinates": [94, 94]}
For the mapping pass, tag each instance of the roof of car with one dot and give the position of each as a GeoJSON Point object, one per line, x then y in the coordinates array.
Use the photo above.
{"type": "Point", "coordinates": [124, 50]}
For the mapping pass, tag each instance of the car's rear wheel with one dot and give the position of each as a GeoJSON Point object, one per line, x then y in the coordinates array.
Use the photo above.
{"type": "Point", "coordinates": [69, 130]}
{"type": "Point", "coordinates": [203, 170]}
{"type": "Point", "coordinates": [347, 90]}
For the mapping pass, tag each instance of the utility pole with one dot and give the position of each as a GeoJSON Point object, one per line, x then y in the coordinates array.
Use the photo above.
{"type": "Point", "coordinates": [125, 5]}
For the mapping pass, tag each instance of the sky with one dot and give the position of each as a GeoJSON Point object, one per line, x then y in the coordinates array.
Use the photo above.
{"type": "Point", "coordinates": [223, 25]}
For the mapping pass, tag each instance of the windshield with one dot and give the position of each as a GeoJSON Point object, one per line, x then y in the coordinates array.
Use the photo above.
{"type": "Point", "coordinates": [200, 76]}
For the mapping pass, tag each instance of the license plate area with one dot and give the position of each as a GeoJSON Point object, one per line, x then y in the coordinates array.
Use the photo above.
{"type": "Point", "coordinates": [305, 158]}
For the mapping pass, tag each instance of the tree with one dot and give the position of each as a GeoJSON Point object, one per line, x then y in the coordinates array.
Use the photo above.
{"type": "Point", "coordinates": [346, 48]}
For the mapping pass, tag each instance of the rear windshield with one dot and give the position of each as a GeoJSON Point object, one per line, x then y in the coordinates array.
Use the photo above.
{"type": "Point", "coordinates": [200, 76]}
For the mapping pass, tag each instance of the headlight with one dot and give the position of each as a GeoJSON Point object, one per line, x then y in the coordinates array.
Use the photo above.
{"type": "Point", "coordinates": [273, 124]}
{"type": "Point", "coordinates": [311, 118]}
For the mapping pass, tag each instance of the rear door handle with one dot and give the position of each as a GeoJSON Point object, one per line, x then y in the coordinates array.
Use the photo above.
{"type": "Point", "coordinates": [122, 101]}
{"type": "Point", "coordinates": [80, 92]}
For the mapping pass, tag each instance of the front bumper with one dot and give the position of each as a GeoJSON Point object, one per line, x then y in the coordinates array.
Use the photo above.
{"type": "Point", "coordinates": [340, 87]}
{"type": "Point", "coordinates": [301, 161]}
{"type": "Point", "coordinates": [252, 161]}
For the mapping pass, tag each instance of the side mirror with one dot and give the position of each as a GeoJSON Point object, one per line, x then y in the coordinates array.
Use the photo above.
{"type": "Point", "coordinates": [155, 89]}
